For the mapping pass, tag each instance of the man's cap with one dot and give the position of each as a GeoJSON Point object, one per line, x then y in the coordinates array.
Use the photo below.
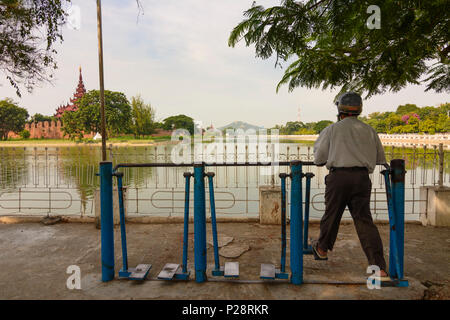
{"type": "Point", "coordinates": [349, 103]}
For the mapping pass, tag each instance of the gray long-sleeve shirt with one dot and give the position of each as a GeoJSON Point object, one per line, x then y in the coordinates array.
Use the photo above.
{"type": "Point", "coordinates": [349, 143]}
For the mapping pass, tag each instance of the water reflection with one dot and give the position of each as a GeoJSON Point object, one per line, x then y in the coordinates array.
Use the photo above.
{"type": "Point", "coordinates": [75, 168]}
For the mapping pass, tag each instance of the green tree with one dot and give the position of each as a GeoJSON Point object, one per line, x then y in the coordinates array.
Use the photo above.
{"type": "Point", "coordinates": [428, 113]}
{"type": "Point", "coordinates": [291, 127]}
{"type": "Point", "coordinates": [12, 118]}
{"type": "Point", "coordinates": [331, 45]}
{"type": "Point", "coordinates": [179, 122]}
{"type": "Point", "coordinates": [443, 123]}
{"type": "Point", "coordinates": [407, 108]}
{"type": "Point", "coordinates": [143, 117]}
{"type": "Point", "coordinates": [158, 125]}
{"type": "Point", "coordinates": [117, 112]}
{"type": "Point", "coordinates": [392, 121]}
{"type": "Point", "coordinates": [37, 117]}
{"type": "Point", "coordinates": [87, 118]}
{"type": "Point", "coordinates": [71, 125]}
{"type": "Point", "coordinates": [29, 30]}
{"type": "Point", "coordinates": [408, 129]}
{"type": "Point", "coordinates": [322, 125]}
{"type": "Point", "coordinates": [414, 123]}
{"type": "Point", "coordinates": [397, 129]}
{"type": "Point", "coordinates": [445, 108]}
{"type": "Point", "coordinates": [25, 134]}
{"type": "Point", "coordinates": [305, 131]}
{"type": "Point", "coordinates": [427, 126]}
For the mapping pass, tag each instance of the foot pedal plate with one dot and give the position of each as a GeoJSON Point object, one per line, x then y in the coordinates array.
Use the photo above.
{"type": "Point", "coordinates": [231, 269]}
{"type": "Point", "coordinates": [168, 272]}
{"type": "Point", "coordinates": [267, 271]}
{"type": "Point", "coordinates": [140, 272]}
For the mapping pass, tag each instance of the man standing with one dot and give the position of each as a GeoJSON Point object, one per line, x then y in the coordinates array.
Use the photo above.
{"type": "Point", "coordinates": [350, 149]}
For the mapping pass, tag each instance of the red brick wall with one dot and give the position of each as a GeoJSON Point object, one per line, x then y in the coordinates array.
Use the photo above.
{"type": "Point", "coordinates": [46, 130]}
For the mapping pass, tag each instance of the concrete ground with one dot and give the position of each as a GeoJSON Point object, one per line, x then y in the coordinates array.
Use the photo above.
{"type": "Point", "coordinates": [34, 259]}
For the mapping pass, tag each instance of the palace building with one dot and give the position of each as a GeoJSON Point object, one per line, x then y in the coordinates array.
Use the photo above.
{"type": "Point", "coordinates": [79, 93]}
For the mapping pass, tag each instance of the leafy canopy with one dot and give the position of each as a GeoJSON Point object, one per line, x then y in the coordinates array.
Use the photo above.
{"type": "Point", "coordinates": [143, 117]}
{"type": "Point", "coordinates": [410, 118]}
{"type": "Point", "coordinates": [12, 118]}
{"type": "Point", "coordinates": [179, 122]}
{"type": "Point", "coordinates": [37, 117]}
{"type": "Point", "coordinates": [87, 118]}
{"type": "Point", "coordinates": [331, 46]}
{"type": "Point", "coordinates": [29, 30]}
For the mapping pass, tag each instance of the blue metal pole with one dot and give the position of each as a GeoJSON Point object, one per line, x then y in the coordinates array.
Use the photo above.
{"type": "Point", "coordinates": [123, 233]}
{"type": "Point", "coordinates": [283, 222]}
{"type": "Point", "coordinates": [214, 223]}
{"type": "Point", "coordinates": [394, 266]}
{"type": "Point", "coordinates": [187, 176]}
{"type": "Point", "coordinates": [106, 221]}
{"type": "Point", "coordinates": [307, 248]}
{"type": "Point", "coordinates": [296, 223]}
{"type": "Point", "coordinates": [397, 235]}
{"type": "Point", "coordinates": [199, 223]}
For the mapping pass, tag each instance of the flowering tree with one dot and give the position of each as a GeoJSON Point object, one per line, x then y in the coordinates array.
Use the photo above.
{"type": "Point", "coordinates": [407, 117]}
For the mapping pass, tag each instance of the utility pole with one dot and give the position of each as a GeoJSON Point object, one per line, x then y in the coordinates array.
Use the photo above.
{"type": "Point", "coordinates": [106, 174]}
{"type": "Point", "coordinates": [102, 83]}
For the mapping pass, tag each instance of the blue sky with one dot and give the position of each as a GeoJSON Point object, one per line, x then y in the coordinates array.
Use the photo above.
{"type": "Point", "coordinates": [177, 57]}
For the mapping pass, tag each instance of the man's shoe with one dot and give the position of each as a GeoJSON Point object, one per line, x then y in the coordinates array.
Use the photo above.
{"type": "Point", "coordinates": [385, 278]}
{"type": "Point", "coordinates": [317, 255]}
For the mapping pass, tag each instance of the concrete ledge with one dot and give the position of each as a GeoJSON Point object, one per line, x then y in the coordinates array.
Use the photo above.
{"type": "Point", "coordinates": [165, 220]}
{"type": "Point", "coordinates": [269, 205]}
{"type": "Point", "coordinates": [35, 219]}
{"type": "Point", "coordinates": [116, 212]}
{"type": "Point", "coordinates": [435, 209]}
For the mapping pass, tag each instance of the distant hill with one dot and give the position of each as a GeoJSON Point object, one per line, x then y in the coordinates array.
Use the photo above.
{"type": "Point", "coordinates": [240, 125]}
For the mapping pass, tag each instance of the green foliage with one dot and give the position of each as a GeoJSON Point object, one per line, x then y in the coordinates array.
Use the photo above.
{"type": "Point", "coordinates": [427, 126]}
{"type": "Point", "coordinates": [117, 112]}
{"type": "Point", "coordinates": [319, 126]}
{"type": "Point", "coordinates": [179, 122]}
{"type": "Point", "coordinates": [306, 131]}
{"type": "Point", "coordinates": [143, 116]}
{"type": "Point", "coordinates": [158, 125]}
{"type": "Point", "coordinates": [12, 118]}
{"type": "Point", "coordinates": [87, 118]}
{"type": "Point", "coordinates": [296, 127]}
{"type": "Point", "coordinates": [71, 125]}
{"type": "Point", "coordinates": [293, 126]}
{"type": "Point", "coordinates": [28, 32]}
{"type": "Point", "coordinates": [430, 119]}
{"type": "Point", "coordinates": [407, 108]}
{"type": "Point", "coordinates": [332, 47]}
{"type": "Point", "coordinates": [25, 134]}
{"type": "Point", "coordinates": [37, 117]}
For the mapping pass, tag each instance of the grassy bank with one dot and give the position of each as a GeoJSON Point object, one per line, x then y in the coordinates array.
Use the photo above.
{"type": "Point", "coordinates": [123, 140]}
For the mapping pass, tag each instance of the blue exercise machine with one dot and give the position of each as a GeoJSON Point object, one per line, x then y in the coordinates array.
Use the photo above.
{"type": "Point", "coordinates": [394, 177]}
{"type": "Point", "coordinates": [141, 271]}
{"type": "Point", "coordinates": [269, 271]}
{"type": "Point", "coordinates": [394, 180]}
{"type": "Point", "coordinates": [231, 269]}
{"type": "Point", "coordinates": [173, 271]}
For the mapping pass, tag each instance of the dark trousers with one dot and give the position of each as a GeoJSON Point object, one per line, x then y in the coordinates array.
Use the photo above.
{"type": "Point", "coordinates": [352, 188]}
